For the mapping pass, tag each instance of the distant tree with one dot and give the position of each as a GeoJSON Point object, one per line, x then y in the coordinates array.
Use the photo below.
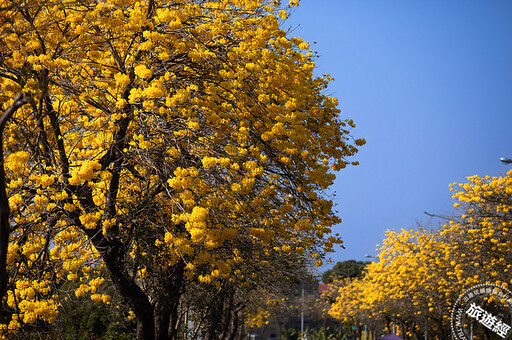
{"type": "Point", "coordinates": [344, 269]}
{"type": "Point", "coordinates": [420, 273]}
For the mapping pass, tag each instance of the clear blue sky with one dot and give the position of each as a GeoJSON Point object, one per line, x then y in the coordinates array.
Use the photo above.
{"type": "Point", "coordinates": [429, 85]}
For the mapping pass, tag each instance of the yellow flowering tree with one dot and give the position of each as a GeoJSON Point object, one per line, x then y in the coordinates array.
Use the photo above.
{"type": "Point", "coordinates": [420, 274]}
{"type": "Point", "coordinates": [411, 285]}
{"type": "Point", "coordinates": [166, 141]}
{"type": "Point", "coordinates": [481, 236]}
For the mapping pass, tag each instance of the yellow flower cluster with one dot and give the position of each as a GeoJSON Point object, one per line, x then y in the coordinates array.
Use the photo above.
{"type": "Point", "coordinates": [184, 178]}
{"type": "Point", "coordinates": [90, 220]}
{"type": "Point", "coordinates": [85, 172]}
{"type": "Point", "coordinates": [259, 319]}
{"type": "Point", "coordinates": [197, 223]}
{"type": "Point", "coordinates": [101, 298]}
{"type": "Point", "coordinates": [17, 161]}
{"type": "Point", "coordinates": [34, 302]}
{"type": "Point", "coordinates": [45, 310]}
{"type": "Point", "coordinates": [210, 162]}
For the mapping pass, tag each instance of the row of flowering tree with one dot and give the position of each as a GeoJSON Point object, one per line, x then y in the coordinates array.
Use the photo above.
{"type": "Point", "coordinates": [163, 146]}
{"type": "Point", "coordinates": [419, 274]}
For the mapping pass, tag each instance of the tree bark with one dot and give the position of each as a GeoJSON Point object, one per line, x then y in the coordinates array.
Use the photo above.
{"type": "Point", "coordinates": [167, 303]}
{"type": "Point", "coordinates": [133, 295]}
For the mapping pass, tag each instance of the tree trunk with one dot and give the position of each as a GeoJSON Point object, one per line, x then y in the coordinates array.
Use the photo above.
{"type": "Point", "coordinates": [113, 255]}
{"type": "Point", "coordinates": [132, 294]}
{"type": "Point", "coordinates": [157, 320]}
{"type": "Point", "coordinates": [167, 304]}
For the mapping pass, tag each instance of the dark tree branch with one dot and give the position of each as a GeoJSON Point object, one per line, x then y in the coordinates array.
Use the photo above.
{"type": "Point", "coordinates": [4, 203]}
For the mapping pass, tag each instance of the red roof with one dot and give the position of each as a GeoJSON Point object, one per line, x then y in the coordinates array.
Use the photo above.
{"type": "Point", "coordinates": [324, 287]}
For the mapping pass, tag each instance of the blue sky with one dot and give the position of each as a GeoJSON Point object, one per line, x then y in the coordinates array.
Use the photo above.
{"type": "Point", "coordinates": [429, 85]}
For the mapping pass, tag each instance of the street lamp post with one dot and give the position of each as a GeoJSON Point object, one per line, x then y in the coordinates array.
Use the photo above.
{"type": "Point", "coordinates": [302, 314]}
{"type": "Point", "coordinates": [506, 160]}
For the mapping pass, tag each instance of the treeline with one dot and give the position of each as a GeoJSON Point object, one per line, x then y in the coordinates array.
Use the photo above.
{"type": "Point", "coordinates": [419, 274]}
